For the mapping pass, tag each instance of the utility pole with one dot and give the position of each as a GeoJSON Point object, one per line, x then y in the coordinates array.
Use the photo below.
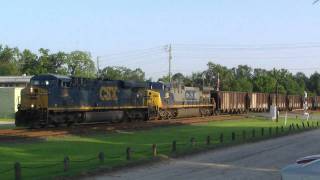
{"type": "Point", "coordinates": [203, 77]}
{"type": "Point", "coordinates": [277, 93]}
{"type": "Point", "coordinates": [98, 68]}
{"type": "Point", "coordinates": [170, 58]}
{"type": "Point", "coordinates": [218, 82]}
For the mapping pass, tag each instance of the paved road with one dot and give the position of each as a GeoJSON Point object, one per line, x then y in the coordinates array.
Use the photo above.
{"type": "Point", "coordinates": [261, 161]}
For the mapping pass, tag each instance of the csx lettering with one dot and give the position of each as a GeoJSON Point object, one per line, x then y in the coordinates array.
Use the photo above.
{"type": "Point", "coordinates": [108, 93]}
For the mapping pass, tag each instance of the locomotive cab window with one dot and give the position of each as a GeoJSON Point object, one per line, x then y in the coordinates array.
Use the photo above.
{"type": "Point", "coordinates": [64, 84]}
{"type": "Point", "coordinates": [35, 82]}
{"type": "Point", "coordinates": [42, 82]}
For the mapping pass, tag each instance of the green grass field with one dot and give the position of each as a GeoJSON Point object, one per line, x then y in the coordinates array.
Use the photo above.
{"type": "Point", "coordinates": [6, 120]}
{"type": "Point", "coordinates": [42, 158]}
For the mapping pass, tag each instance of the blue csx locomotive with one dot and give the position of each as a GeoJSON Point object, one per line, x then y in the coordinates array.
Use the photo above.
{"type": "Point", "coordinates": [55, 100]}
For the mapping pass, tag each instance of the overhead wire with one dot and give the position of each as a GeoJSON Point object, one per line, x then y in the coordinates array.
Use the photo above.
{"type": "Point", "coordinates": [195, 51]}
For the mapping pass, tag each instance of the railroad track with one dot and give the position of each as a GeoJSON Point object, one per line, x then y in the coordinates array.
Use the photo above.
{"type": "Point", "coordinates": [83, 129]}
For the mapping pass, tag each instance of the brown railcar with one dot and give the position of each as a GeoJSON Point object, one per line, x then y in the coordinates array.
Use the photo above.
{"type": "Point", "coordinates": [310, 102]}
{"type": "Point", "coordinates": [231, 102]}
{"type": "Point", "coordinates": [294, 102]}
{"type": "Point", "coordinates": [278, 100]}
{"type": "Point", "coordinates": [316, 104]}
{"type": "Point", "coordinates": [258, 102]}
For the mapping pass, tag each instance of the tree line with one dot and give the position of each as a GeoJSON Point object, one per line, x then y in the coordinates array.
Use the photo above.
{"type": "Point", "coordinates": [80, 63]}
{"type": "Point", "coordinates": [246, 79]}
{"type": "Point", "coordinates": [75, 63]}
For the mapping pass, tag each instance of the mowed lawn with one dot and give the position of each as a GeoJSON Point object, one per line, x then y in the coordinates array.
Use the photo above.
{"type": "Point", "coordinates": [6, 120]}
{"type": "Point", "coordinates": [43, 158]}
{"type": "Point", "coordinates": [6, 123]}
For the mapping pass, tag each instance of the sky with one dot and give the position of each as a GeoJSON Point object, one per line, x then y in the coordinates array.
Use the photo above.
{"type": "Point", "coordinates": [135, 33]}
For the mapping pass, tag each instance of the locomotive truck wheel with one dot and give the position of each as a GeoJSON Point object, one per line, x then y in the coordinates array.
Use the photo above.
{"type": "Point", "coordinates": [43, 126]}
{"type": "Point", "coordinates": [56, 124]}
{"type": "Point", "coordinates": [175, 113]}
{"type": "Point", "coordinates": [169, 115]}
{"type": "Point", "coordinates": [162, 114]}
{"type": "Point", "coordinates": [19, 118]}
{"type": "Point", "coordinates": [70, 123]}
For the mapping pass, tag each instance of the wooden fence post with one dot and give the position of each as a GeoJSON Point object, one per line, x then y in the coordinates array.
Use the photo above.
{"type": "Point", "coordinates": [174, 146]}
{"type": "Point", "coordinates": [244, 135]}
{"type": "Point", "coordinates": [17, 171]}
{"type": "Point", "coordinates": [66, 164]}
{"type": "Point", "coordinates": [154, 150]}
{"type": "Point", "coordinates": [128, 153]}
{"type": "Point", "coordinates": [193, 142]}
{"type": "Point", "coordinates": [233, 136]}
{"type": "Point", "coordinates": [101, 157]}
{"type": "Point", "coordinates": [221, 138]}
{"type": "Point", "coordinates": [208, 140]}
{"type": "Point", "coordinates": [270, 131]}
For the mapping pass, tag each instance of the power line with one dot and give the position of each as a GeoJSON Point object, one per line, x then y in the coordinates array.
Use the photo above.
{"type": "Point", "coordinates": [243, 57]}
{"type": "Point", "coordinates": [252, 45]}
{"type": "Point", "coordinates": [132, 52]}
{"type": "Point", "coordinates": [146, 61]}
{"type": "Point", "coordinates": [129, 58]}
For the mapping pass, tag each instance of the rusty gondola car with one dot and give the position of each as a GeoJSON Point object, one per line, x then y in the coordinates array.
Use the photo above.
{"type": "Point", "coordinates": [258, 102]}
{"type": "Point", "coordinates": [230, 102]}
{"type": "Point", "coordinates": [310, 102]}
{"type": "Point", "coordinates": [294, 102]}
{"type": "Point", "coordinates": [279, 100]}
{"type": "Point", "coordinates": [316, 104]}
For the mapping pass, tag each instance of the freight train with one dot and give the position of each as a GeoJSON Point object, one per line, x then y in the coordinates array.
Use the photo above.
{"type": "Point", "coordinates": [54, 100]}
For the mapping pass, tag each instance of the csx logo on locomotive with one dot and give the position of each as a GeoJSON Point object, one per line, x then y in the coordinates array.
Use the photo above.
{"type": "Point", "coordinates": [108, 93]}
{"type": "Point", "coordinates": [190, 95]}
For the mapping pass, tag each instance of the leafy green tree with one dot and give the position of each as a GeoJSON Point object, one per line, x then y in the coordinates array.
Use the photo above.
{"type": "Point", "coordinates": [264, 83]}
{"type": "Point", "coordinates": [80, 64]}
{"type": "Point", "coordinates": [178, 77]}
{"type": "Point", "coordinates": [164, 79]}
{"type": "Point", "coordinates": [9, 61]}
{"type": "Point", "coordinates": [123, 73]}
{"type": "Point", "coordinates": [58, 63]}
{"type": "Point", "coordinates": [29, 63]}
{"type": "Point", "coordinates": [243, 72]}
{"type": "Point", "coordinates": [314, 83]}
{"type": "Point", "coordinates": [226, 76]}
{"type": "Point", "coordinates": [44, 61]}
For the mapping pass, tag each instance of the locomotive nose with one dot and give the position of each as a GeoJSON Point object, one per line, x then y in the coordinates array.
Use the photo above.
{"type": "Point", "coordinates": [34, 98]}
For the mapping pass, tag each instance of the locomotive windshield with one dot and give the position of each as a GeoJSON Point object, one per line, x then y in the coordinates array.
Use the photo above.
{"type": "Point", "coordinates": [42, 82]}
